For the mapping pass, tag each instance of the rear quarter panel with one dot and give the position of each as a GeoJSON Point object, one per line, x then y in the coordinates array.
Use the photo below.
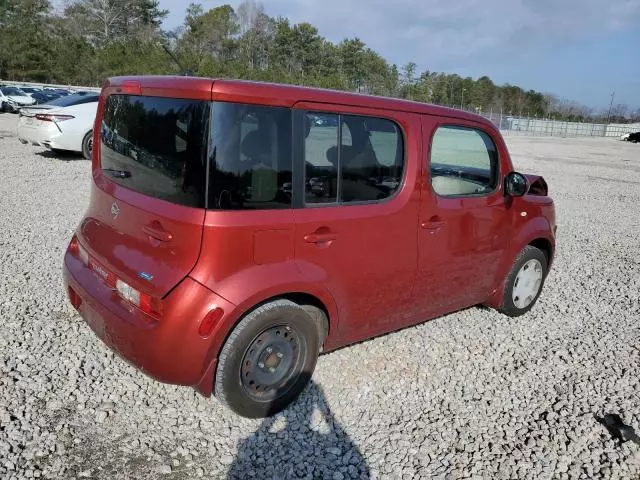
{"type": "Point", "coordinates": [73, 131]}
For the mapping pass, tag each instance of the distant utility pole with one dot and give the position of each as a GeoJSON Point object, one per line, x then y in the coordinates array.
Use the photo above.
{"type": "Point", "coordinates": [462, 102]}
{"type": "Point", "coordinates": [613, 94]}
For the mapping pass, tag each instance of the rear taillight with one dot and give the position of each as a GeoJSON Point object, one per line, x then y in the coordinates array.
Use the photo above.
{"type": "Point", "coordinates": [146, 303]}
{"type": "Point", "coordinates": [48, 117]}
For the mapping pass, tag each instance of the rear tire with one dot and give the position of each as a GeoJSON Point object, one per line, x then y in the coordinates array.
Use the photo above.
{"type": "Point", "coordinates": [87, 145]}
{"type": "Point", "coordinates": [267, 360]}
{"type": "Point", "coordinates": [524, 282]}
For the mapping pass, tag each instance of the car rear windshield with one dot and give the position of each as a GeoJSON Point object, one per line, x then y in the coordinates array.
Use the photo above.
{"type": "Point", "coordinates": [157, 146]}
{"type": "Point", "coordinates": [75, 99]}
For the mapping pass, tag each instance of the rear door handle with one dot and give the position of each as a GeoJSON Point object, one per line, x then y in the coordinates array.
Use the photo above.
{"type": "Point", "coordinates": [433, 225]}
{"type": "Point", "coordinates": [320, 237]}
{"type": "Point", "coordinates": [156, 231]}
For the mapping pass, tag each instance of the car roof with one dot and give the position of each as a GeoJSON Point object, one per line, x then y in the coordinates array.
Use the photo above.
{"type": "Point", "coordinates": [275, 94]}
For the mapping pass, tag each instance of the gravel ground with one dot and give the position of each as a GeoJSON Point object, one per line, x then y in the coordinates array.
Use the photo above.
{"type": "Point", "coordinates": [470, 395]}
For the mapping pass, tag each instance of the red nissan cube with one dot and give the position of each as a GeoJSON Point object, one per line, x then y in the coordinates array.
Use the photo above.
{"type": "Point", "coordinates": [237, 229]}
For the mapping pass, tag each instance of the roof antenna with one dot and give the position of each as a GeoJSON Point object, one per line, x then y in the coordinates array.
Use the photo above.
{"type": "Point", "coordinates": [185, 72]}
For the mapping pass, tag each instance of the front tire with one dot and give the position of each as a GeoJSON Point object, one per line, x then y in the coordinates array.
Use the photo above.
{"type": "Point", "coordinates": [524, 282]}
{"type": "Point", "coordinates": [87, 145]}
{"type": "Point", "coordinates": [267, 360]}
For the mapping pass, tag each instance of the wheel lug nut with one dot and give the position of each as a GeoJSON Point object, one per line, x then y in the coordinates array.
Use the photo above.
{"type": "Point", "coordinates": [261, 365]}
{"type": "Point", "coordinates": [269, 349]}
{"type": "Point", "coordinates": [279, 355]}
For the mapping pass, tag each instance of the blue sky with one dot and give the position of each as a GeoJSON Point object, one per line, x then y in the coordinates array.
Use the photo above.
{"type": "Point", "coordinates": [581, 50]}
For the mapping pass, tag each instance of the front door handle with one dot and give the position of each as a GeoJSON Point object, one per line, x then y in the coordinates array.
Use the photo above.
{"type": "Point", "coordinates": [155, 230]}
{"type": "Point", "coordinates": [320, 237]}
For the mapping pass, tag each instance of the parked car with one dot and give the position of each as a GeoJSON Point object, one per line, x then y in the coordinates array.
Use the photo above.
{"type": "Point", "coordinates": [60, 91]}
{"type": "Point", "coordinates": [632, 137]}
{"type": "Point", "coordinates": [198, 267]}
{"type": "Point", "coordinates": [44, 97]}
{"type": "Point", "coordinates": [65, 123]}
{"type": "Point", "coordinates": [30, 90]}
{"type": "Point", "coordinates": [12, 99]}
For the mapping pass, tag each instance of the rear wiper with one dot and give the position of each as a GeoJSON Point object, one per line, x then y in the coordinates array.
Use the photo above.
{"type": "Point", "coordinates": [118, 173]}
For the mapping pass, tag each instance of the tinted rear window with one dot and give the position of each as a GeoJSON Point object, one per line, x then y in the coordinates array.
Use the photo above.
{"type": "Point", "coordinates": [157, 146]}
{"type": "Point", "coordinates": [75, 99]}
{"type": "Point", "coordinates": [251, 160]}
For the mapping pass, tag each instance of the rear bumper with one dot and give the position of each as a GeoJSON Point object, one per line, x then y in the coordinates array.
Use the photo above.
{"type": "Point", "coordinates": [170, 349]}
{"type": "Point", "coordinates": [35, 134]}
{"type": "Point", "coordinates": [47, 136]}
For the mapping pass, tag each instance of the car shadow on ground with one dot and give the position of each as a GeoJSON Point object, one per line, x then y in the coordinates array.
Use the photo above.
{"type": "Point", "coordinates": [307, 435]}
{"type": "Point", "coordinates": [60, 155]}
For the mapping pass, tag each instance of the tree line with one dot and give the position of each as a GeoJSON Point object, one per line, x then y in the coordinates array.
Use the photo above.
{"type": "Point", "coordinates": [88, 41]}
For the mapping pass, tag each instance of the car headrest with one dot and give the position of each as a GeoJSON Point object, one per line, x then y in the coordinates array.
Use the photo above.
{"type": "Point", "coordinates": [347, 154]}
{"type": "Point", "coordinates": [256, 143]}
{"type": "Point", "coordinates": [307, 126]}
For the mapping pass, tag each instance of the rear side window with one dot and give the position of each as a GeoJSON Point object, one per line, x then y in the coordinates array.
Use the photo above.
{"type": "Point", "coordinates": [321, 158]}
{"type": "Point", "coordinates": [352, 158]}
{"type": "Point", "coordinates": [464, 161]}
{"type": "Point", "coordinates": [156, 146]}
{"type": "Point", "coordinates": [251, 157]}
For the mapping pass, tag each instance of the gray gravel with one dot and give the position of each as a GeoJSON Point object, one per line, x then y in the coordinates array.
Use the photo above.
{"type": "Point", "coordinates": [470, 395]}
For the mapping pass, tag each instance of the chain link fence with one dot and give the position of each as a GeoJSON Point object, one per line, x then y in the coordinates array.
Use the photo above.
{"type": "Point", "coordinates": [515, 125]}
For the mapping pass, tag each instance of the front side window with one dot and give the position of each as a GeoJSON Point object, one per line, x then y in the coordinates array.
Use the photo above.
{"type": "Point", "coordinates": [156, 146]}
{"type": "Point", "coordinates": [464, 161]}
{"type": "Point", "coordinates": [351, 158]}
{"type": "Point", "coordinates": [250, 157]}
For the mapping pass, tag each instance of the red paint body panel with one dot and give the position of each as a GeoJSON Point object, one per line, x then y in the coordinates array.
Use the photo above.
{"type": "Point", "coordinates": [381, 271]}
{"type": "Point", "coordinates": [460, 259]}
{"type": "Point", "coordinates": [123, 246]}
{"type": "Point", "coordinates": [169, 349]}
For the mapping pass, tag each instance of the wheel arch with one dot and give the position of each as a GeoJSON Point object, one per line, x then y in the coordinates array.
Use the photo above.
{"type": "Point", "coordinates": [321, 300]}
{"type": "Point", "coordinates": [536, 232]}
{"type": "Point", "coordinates": [543, 243]}
{"type": "Point", "coordinates": [84, 135]}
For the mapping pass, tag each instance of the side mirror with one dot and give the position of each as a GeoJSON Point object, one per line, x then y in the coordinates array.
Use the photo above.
{"type": "Point", "coordinates": [516, 184]}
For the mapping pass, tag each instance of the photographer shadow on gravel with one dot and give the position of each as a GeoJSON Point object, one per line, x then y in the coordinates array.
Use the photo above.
{"type": "Point", "coordinates": [303, 441]}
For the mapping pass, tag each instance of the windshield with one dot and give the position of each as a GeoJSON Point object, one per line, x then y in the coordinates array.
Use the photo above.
{"type": "Point", "coordinates": [75, 99]}
{"type": "Point", "coordinates": [12, 91]}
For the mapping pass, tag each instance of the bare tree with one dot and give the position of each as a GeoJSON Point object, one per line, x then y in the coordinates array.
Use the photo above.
{"type": "Point", "coordinates": [99, 21]}
{"type": "Point", "coordinates": [249, 11]}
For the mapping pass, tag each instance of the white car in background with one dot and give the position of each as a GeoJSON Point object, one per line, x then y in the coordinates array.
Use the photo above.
{"type": "Point", "coordinates": [12, 99]}
{"type": "Point", "coordinates": [62, 124]}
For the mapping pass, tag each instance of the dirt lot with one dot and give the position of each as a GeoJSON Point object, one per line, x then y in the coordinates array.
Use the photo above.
{"type": "Point", "coordinates": [470, 395]}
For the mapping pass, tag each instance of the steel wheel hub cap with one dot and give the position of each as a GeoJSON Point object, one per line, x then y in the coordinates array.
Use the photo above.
{"type": "Point", "coordinates": [271, 363]}
{"type": "Point", "coordinates": [527, 284]}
